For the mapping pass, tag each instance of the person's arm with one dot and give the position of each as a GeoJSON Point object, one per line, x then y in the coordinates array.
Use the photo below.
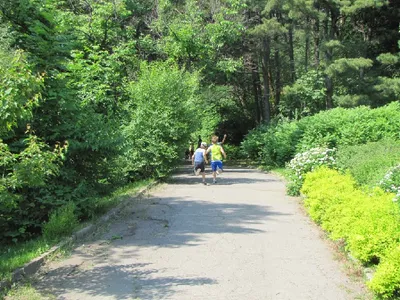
{"type": "Point", "coordinates": [223, 152]}
{"type": "Point", "coordinates": [193, 159]}
{"type": "Point", "coordinates": [223, 140]}
{"type": "Point", "coordinates": [205, 157]}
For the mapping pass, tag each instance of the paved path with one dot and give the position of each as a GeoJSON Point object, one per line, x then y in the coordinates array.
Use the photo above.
{"type": "Point", "coordinates": [239, 239]}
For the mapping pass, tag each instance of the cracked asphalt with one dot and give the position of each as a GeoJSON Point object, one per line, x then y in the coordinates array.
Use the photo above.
{"type": "Point", "coordinates": [242, 238]}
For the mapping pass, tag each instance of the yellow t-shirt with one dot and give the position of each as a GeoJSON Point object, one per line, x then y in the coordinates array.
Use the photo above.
{"type": "Point", "coordinates": [216, 153]}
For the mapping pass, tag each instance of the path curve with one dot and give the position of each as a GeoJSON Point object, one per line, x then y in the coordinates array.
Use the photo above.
{"type": "Point", "coordinates": [239, 239]}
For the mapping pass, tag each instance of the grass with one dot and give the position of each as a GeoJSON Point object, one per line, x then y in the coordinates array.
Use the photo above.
{"type": "Point", "coordinates": [281, 172]}
{"type": "Point", "coordinates": [26, 292]}
{"type": "Point", "coordinates": [14, 256]}
{"type": "Point", "coordinates": [369, 163]}
{"type": "Point", "coordinates": [104, 204]}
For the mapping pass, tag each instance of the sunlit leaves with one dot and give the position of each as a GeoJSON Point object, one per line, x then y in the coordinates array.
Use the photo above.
{"type": "Point", "coordinates": [19, 90]}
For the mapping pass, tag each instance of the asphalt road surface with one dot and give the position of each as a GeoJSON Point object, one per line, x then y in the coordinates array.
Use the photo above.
{"type": "Point", "coordinates": [240, 239]}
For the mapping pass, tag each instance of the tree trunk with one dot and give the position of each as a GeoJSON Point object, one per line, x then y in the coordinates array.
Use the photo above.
{"type": "Point", "coordinates": [331, 32]}
{"type": "Point", "coordinates": [329, 92]}
{"type": "Point", "coordinates": [291, 53]}
{"type": "Point", "coordinates": [256, 89]}
{"type": "Point", "coordinates": [277, 78]}
{"type": "Point", "coordinates": [307, 48]}
{"type": "Point", "coordinates": [265, 65]}
{"type": "Point", "coordinates": [316, 42]}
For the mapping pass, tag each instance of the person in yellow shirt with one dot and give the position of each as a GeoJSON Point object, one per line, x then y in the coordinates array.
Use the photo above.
{"type": "Point", "coordinates": [217, 152]}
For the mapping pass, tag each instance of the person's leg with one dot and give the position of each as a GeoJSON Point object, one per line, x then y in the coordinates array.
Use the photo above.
{"type": "Point", "coordinates": [197, 168]}
{"type": "Point", "coordinates": [204, 177]}
{"type": "Point", "coordinates": [201, 170]}
{"type": "Point", "coordinates": [219, 167]}
{"type": "Point", "coordinates": [214, 170]}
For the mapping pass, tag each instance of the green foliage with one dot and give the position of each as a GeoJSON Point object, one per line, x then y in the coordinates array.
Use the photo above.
{"type": "Point", "coordinates": [340, 126]}
{"type": "Point", "coordinates": [386, 280]}
{"type": "Point", "coordinates": [305, 97]}
{"type": "Point", "coordinates": [306, 162]}
{"type": "Point", "coordinates": [233, 152]}
{"type": "Point", "coordinates": [62, 222]}
{"type": "Point", "coordinates": [19, 90]}
{"type": "Point", "coordinates": [277, 143]}
{"type": "Point", "coordinates": [370, 162]}
{"type": "Point", "coordinates": [368, 221]}
{"type": "Point", "coordinates": [343, 65]}
{"type": "Point", "coordinates": [94, 207]}
{"type": "Point", "coordinates": [162, 119]}
{"type": "Point", "coordinates": [31, 168]}
{"type": "Point", "coordinates": [273, 145]}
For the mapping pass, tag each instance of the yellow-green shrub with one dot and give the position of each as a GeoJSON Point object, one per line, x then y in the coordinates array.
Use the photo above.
{"type": "Point", "coordinates": [386, 281]}
{"type": "Point", "coordinates": [323, 189]}
{"type": "Point", "coordinates": [369, 222]}
{"type": "Point", "coordinates": [376, 226]}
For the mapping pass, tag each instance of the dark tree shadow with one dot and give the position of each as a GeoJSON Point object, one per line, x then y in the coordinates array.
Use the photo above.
{"type": "Point", "coordinates": [133, 281]}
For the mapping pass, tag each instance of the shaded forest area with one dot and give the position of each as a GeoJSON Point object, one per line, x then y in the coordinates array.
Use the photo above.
{"type": "Point", "coordinates": [96, 94]}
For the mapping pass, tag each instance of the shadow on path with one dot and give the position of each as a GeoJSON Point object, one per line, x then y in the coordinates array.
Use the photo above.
{"type": "Point", "coordinates": [185, 175]}
{"type": "Point", "coordinates": [119, 281]}
{"type": "Point", "coordinates": [182, 215]}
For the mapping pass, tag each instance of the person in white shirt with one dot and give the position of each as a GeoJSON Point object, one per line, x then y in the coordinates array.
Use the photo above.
{"type": "Point", "coordinates": [199, 159]}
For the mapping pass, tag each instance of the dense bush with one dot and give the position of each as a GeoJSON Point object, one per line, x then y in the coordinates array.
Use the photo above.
{"type": "Point", "coordinates": [61, 223]}
{"type": "Point", "coordinates": [273, 145]}
{"type": "Point", "coordinates": [386, 280]}
{"type": "Point", "coordinates": [356, 126]}
{"type": "Point", "coordinates": [305, 97]}
{"type": "Point", "coordinates": [162, 118]}
{"type": "Point", "coordinates": [306, 162]}
{"type": "Point", "coordinates": [277, 143]}
{"type": "Point", "coordinates": [368, 221]}
{"type": "Point", "coordinates": [391, 182]}
{"type": "Point", "coordinates": [233, 152]}
{"type": "Point", "coordinates": [370, 162]}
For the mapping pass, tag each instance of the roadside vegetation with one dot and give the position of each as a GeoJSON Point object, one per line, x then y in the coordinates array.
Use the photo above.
{"type": "Point", "coordinates": [62, 222]}
{"type": "Point", "coordinates": [346, 165]}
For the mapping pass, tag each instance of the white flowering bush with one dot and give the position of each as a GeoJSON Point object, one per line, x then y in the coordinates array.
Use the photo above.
{"type": "Point", "coordinates": [306, 162]}
{"type": "Point", "coordinates": [391, 182]}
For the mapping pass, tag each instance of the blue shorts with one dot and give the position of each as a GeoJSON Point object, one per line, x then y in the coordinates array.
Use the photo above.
{"type": "Point", "coordinates": [216, 164]}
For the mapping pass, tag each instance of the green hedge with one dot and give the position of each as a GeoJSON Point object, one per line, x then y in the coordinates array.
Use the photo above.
{"type": "Point", "coordinates": [276, 144]}
{"type": "Point", "coordinates": [368, 221]}
{"type": "Point", "coordinates": [355, 126]}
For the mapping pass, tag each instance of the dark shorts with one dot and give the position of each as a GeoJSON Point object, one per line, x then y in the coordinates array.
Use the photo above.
{"type": "Point", "coordinates": [199, 165]}
{"type": "Point", "coordinates": [216, 164]}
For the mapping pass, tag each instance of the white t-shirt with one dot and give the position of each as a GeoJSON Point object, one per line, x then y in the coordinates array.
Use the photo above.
{"type": "Point", "coordinates": [199, 155]}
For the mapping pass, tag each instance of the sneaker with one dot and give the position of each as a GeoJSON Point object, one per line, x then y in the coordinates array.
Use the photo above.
{"type": "Point", "coordinates": [214, 181]}
{"type": "Point", "coordinates": [205, 183]}
{"type": "Point", "coordinates": [197, 172]}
